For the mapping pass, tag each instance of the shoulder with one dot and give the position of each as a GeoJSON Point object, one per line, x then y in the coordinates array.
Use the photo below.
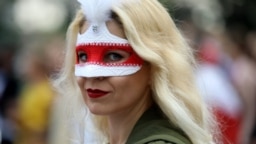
{"type": "Point", "coordinates": [158, 132]}
{"type": "Point", "coordinates": [162, 139]}
{"type": "Point", "coordinates": [159, 142]}
{"type": "Point", "coordinates": [154, 128]}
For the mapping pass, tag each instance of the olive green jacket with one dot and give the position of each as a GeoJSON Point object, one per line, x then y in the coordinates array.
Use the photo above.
{"type": "Point", "coordinates": [153, 128]}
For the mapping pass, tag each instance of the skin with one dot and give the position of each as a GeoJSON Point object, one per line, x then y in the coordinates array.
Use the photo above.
{"type": "Point", "coordinates": [128, 96]}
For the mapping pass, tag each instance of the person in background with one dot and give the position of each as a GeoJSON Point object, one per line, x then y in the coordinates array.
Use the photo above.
{"type": "Point", "coordinates": [218, 90]}
{"type": "Point", "coordinates": [35, 102]}
{"type": "Point", "coordinates": [128, 73]}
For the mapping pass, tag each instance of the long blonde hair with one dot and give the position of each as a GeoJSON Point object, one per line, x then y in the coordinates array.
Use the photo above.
{"type": "Point", "coordinates": [153, 35]}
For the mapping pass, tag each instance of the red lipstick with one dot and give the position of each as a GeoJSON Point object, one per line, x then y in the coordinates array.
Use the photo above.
{"type": "Point", "coordinates": [96, 93]}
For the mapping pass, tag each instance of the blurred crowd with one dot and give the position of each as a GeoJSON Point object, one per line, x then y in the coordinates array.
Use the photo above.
{"type": "Point", "coordinates": [26, 95]}
{"type": "Point", "coordinates": [222, 34]}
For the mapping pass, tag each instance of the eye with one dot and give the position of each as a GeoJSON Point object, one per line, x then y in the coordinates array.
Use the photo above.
{"type": "Point", "coordinates": [82, 56]}
{"type": "Point", "coordinates": [116, 56]}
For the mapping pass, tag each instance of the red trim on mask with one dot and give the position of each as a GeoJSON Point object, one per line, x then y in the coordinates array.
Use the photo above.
{"type": "Point", "coordinates": [96, 52]}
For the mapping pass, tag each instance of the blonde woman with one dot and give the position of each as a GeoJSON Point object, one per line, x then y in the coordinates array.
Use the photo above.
{"type": "Point", "coordinates": [129, 72]}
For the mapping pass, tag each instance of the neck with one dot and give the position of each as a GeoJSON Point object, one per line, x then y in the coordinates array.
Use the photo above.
{"type": "Point", "coordinates": [121, 125]}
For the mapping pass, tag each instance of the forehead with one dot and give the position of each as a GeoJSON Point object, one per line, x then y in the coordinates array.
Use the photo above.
{"type": "Point", "coordinates": [113, 27]}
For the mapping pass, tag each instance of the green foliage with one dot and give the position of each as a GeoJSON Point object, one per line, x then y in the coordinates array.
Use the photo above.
{"type": "Point", "coordinates": [168, 4]}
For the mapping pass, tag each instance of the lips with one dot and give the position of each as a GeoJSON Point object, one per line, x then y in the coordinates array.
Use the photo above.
{"type": "Point", "coordinates": [96, 93]}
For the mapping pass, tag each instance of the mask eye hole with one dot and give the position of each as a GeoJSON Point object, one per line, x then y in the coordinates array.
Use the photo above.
{"type": "Point", "coordinates": [82, 56]}
{"type": "Point", "coordinates": [116, 56]}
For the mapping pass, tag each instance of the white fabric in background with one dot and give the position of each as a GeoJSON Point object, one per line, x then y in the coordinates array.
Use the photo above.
{"type": "Point", "coordinates": [217, 90]}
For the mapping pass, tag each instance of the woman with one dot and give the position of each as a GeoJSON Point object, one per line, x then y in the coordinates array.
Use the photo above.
{"type": "Point", "coordinates": [134, 71]}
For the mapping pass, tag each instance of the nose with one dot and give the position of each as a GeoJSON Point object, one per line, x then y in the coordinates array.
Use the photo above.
{"type": "Point", "coordinates": [81, 80]}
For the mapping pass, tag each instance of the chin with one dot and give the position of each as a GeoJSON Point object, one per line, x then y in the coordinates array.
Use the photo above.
{"type": "Point", "coordinates": [97, 111]}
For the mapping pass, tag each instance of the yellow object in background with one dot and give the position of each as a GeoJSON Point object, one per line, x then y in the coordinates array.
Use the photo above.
{"type": "Point", "coordinates": [34, 112]}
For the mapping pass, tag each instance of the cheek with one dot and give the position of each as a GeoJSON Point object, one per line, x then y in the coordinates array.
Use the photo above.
{"type": "Point", "coordinates": [129, 87]}
{"type": "Point", "coordinates": [121, 87]}
{"type": "Point", "coordinates": [80, 82]}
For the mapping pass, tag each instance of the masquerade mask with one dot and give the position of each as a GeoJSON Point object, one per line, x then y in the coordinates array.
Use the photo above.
{"type": "Point", "coordinates": [100, 53]}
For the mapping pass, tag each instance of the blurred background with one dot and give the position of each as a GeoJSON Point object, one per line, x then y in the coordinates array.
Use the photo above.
{"type": "Point", "coordinates": [32, 39]}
